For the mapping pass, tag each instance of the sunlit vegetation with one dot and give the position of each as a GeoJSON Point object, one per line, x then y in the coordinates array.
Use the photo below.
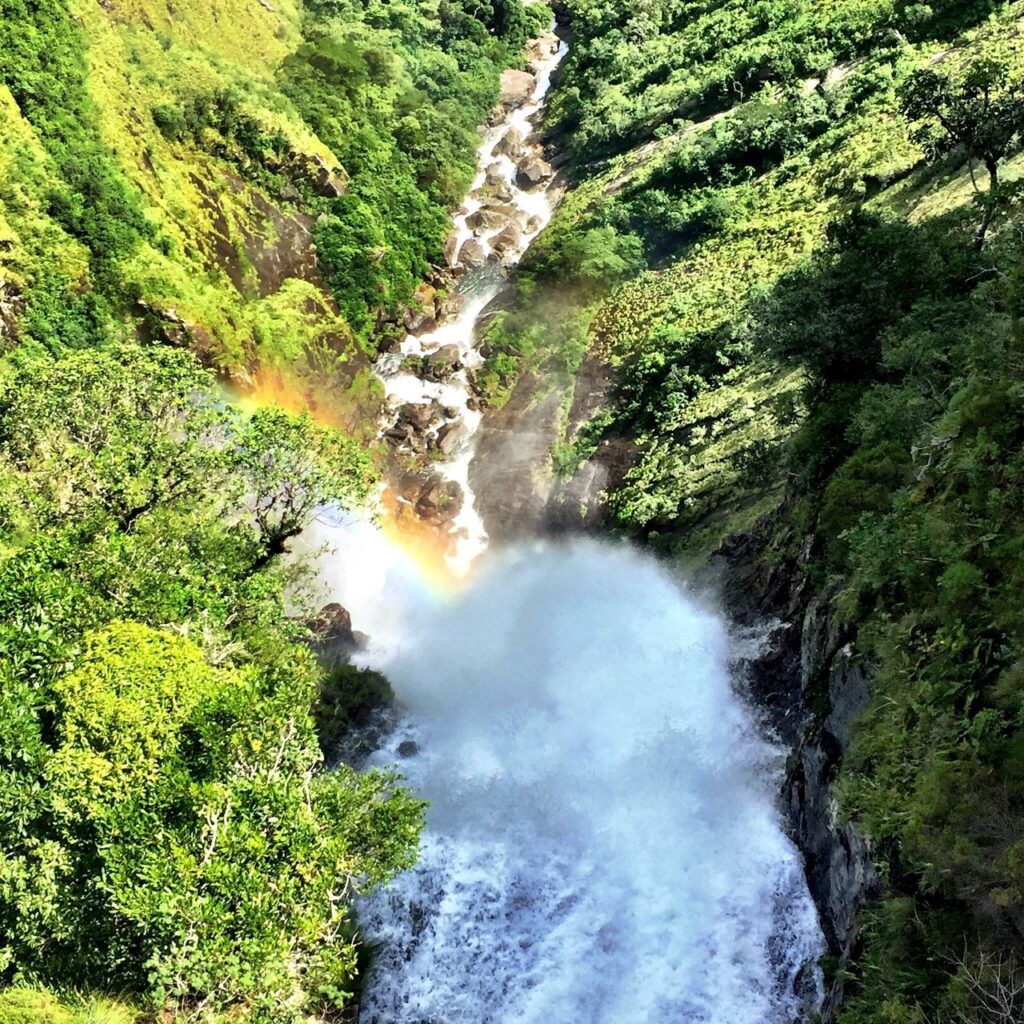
{"type": "Point", "coordinates": [167, 829]}
{"type": "Point", "coordinates": [826, 323]}
{"type": "Point", "coordinates": [268, 186]}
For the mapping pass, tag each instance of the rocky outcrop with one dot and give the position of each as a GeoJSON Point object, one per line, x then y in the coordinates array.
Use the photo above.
{"type": "Point", "coordinates": [811, 685]}
{"type": "Point", "coordinates": [10, 307]}
{"type": "Point", "coordinates": [532, 172]}
{"type": "Point", "coordinates": [329, 182]}
{"type": "Point", "coordinates": [421, 316]}
{"type": "Point", "coordinates": [516, 88]}
{"type": "Point", "coordinates": [334, 638]}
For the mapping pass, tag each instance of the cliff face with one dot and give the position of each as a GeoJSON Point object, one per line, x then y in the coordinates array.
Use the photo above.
{"type": "Point", "coordinates": [810, 687]}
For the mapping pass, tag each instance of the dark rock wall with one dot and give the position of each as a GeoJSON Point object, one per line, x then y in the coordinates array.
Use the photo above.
{"type": "Point", "coordinates": [810, 685]}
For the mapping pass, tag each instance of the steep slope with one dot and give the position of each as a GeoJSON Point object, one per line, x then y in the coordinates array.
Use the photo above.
{"type": "Point", "coordinates": [813, 336]}
{"type": "Point", "coordinates": [265, 183]}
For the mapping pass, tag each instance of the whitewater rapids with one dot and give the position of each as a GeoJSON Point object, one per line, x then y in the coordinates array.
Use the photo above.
{"type": "Point", "coordinates": [603, 845]}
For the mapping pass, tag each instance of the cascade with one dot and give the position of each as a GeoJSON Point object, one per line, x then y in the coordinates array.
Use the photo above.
{"type": "Point", "coordinates": [602, 844]}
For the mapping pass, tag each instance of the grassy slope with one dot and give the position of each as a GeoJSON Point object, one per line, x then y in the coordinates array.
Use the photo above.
{"type": "Point", "coordinates": [24, 1005]}
{"type": "Point", "coordinates": [691, 481]}
{"type": "Point", "coordinates": [218, 221]}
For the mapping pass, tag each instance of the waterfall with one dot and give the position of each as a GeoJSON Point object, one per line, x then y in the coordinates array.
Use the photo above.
{"type": "Point", "coordinates": [602, 842]}
{"type": "Point", "coordinates": [503, 213]}
{"type": "Point", "coordinates": [603, 845]}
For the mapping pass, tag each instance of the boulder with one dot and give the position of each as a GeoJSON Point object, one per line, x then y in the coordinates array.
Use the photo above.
{"type": "Point", "coordinates": [440, 500]}
{"type": "Point", "coordinates": [494, 176]}
{"type": "Point", "coordinates": [516, 88]}
{"type": "Point", "coordinates": [533, 225]}
{"type": "Point", "coordinates": [507, 240]}
{"type": "Point", "coordinates": [416, 321]}
{"type": "Point", "coordinates": [472, 254]}
{"type": "Point", "coordinates": [419, 416]}
{"type": "Point", "coordinates": [510, 145]}
{"type": "Point", "coordinates": [532, 171]}
{"type": "Point", "coordinates": [450, 306]}
{"type": "Point", "coordinates": [446, 355]}
{"type": "Point", "coordinates": [451, 437]}
{"type": "Point", "coordinates": [405, 438]}
{"type": "Point", "coordinates": [441, 365]}
{"type": "Point", "coordinates": [487, 218]}
{"type": "Point", "coordinates": [542, 47]}
{"type": "Point", "coordinates": [501, 193]}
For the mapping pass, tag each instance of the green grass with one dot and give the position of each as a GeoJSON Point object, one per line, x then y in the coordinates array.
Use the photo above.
{"type": "Point", "coordinates": [22, 1004]}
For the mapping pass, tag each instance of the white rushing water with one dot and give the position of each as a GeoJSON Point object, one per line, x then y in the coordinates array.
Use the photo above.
{"type": "Point", "coordinates": [603, 845]}
{"type": "Point", "coordinates": [527, 211]}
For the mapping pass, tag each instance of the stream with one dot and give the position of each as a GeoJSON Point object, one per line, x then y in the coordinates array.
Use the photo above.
{"type": "Point", "coordinates": [603, 844]}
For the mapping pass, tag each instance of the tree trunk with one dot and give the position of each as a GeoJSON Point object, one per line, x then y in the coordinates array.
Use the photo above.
{"type": "Point", "coordinates": [276, 545]}
{"type": "Point", "coordinates": [992, 166]}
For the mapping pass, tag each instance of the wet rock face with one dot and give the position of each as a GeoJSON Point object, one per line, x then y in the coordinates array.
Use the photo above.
{"type": "Point", "coordinates": [809, 663]}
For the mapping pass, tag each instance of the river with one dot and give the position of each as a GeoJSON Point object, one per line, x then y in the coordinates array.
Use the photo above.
{"type": "Point", "coordinates": [603, 844]}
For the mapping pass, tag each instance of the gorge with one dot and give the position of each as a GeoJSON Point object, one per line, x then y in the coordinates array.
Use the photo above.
{"type": "Point", "coordinates": [603, 838]}
{"type": "Point", "coordinates": [509, 524]}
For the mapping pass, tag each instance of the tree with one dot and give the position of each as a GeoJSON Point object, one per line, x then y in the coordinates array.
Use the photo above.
{"type": "Point", "coordinates": [981, 112]}
{"type": "Point", "coordinates": [288, 466]}
{"type": "Point", "coordinates": [180, 826]}
{"type": "Point", "coordinates": [601, 257]}
{"type": "Point", "coordinates": [112, 434]}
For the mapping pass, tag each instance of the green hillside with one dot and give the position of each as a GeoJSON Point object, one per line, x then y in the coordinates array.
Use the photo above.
{"type": "Point", "coordinates": [261, 182]}
{"type": "Point", "coordinates": [787, 244]}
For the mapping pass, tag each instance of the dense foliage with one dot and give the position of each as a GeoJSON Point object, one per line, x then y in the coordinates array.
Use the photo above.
{"type": "Point", "coordinates": [165, 826]}
{"type": "Point", "coordinates": [826, 326]}
{"type": "Point", "coordinates": [398, 92]}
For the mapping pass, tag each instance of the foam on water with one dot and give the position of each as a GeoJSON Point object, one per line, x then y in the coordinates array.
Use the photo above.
{"type": "Point", "coordinates": [603, 845]}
